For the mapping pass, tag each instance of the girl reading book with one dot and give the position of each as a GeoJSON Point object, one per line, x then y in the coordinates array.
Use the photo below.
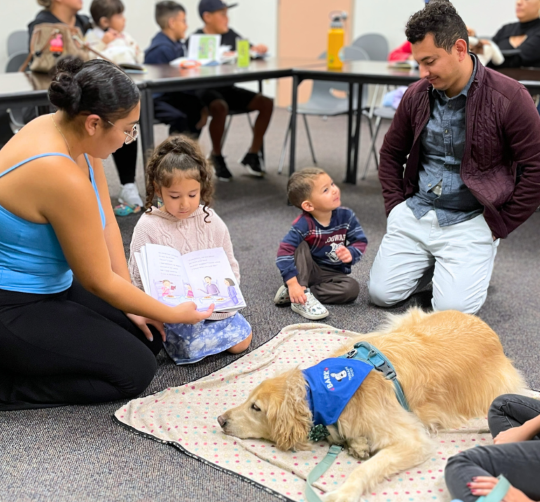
{"type": "Point", "coordinates": [180, 176]}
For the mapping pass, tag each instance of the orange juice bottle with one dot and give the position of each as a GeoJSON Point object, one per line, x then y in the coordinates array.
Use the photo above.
{"type": "Point", "coordinates": [336, 41]}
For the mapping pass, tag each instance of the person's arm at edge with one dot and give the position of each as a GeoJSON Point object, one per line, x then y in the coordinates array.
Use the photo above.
{"type": "Point", "coordinates": [78, 227]}
{"type": "Point", "coordinates": [393, 156]}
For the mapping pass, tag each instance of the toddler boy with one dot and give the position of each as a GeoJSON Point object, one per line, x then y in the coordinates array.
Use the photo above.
{"type": "Point", "coordinates": [183, 111]}
{"type": "Point", "coordinates": [316, 256]}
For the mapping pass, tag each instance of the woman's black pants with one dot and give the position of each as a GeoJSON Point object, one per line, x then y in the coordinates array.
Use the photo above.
{"type": "Point", "coordinates": [70, 348]}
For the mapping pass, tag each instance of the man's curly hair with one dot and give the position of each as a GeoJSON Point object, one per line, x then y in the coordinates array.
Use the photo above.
{"type": "Point", "coordinates": [441, 19]}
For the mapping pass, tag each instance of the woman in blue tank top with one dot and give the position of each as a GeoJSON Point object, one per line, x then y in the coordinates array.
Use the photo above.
{"type": "Point", "coordinates": [73, 329]}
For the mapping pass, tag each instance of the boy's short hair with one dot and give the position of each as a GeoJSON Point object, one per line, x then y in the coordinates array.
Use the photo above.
{"type": "Point", "coordinates": [300, 185]}
{"type": "Point", "coordinates": [166, 10]}
{"type": "Point", "coordinates": [440, 18]}
{"type": "Point", "coordinates": [106, 9]}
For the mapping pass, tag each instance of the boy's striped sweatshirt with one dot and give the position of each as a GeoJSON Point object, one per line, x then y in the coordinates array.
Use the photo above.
{"type": "Point", "coordinates": [344, 230]}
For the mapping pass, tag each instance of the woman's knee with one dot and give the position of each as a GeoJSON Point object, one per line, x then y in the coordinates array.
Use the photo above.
{"type": "Point", "coordinates": [136, 373]}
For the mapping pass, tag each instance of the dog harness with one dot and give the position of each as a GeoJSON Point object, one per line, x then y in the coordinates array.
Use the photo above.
{"type": "Point", "coordinates": [331, 386]}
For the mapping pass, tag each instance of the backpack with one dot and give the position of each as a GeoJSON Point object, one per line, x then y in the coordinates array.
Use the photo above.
{"type": "Point", "coordinates": [50, 41]}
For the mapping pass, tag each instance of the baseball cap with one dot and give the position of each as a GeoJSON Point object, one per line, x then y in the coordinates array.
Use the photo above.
{"type": "Point", "coordinates": [213, 6]}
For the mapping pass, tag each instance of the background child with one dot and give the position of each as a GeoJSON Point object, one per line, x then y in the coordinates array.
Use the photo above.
{"type": "Point", "coordinates": [183, 111]}
{"type": "Point", "coordinates": [108, 35]}
{"type": "Point", "coordinates": [109, 38]}
{"type": "Point", "coordinates": [222, 99]}
{"type": "Point", "coordinates": [316, 256]}
{"type": "Point", "coordinates": [180, 176]}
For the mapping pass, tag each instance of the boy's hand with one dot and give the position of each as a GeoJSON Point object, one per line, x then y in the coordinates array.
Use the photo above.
{"type": "Point", "coordinates": [344, 254]}
{"type": "Point", "coordinates": [109, 36]}
{"type": "Point", "coordinates": [296, 293]}
{"type": "Point", "coordinates": [260, 49]}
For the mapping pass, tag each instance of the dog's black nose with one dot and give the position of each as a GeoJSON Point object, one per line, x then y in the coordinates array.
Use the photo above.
{"type": "Point", "coordinates": [222, 422]}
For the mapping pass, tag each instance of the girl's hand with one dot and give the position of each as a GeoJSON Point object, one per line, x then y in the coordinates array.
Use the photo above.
{"type": "Point", "coordinates": [109, 36]}
{"type": "Point", "coordinates": [187, 313]}
{"type": "Point", "coordinates": [142, 324]}
{"type": "Point", "coordinates": [513, 435]}
{"type": "Point", "coordinates": [482, 485]}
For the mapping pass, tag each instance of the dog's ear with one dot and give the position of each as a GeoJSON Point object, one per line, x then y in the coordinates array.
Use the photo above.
{"type": "Point", "coordinates": [290, 420]}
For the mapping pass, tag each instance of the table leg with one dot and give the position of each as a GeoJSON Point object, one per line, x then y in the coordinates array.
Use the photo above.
{"type": "Point", "coordinates": [354, 168]}
{"type": "Point", "coordinates": [147, 124]}
{"type": "Point", "coordinates": [262, 146]}
{"type": "Point", "coordinates": [350, 144]}
{"type": "Point", "coordinates": [294, 106]}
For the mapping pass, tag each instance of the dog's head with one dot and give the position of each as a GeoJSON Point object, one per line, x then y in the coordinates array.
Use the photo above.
{"type": "Point", "coordinates": [275, 410]}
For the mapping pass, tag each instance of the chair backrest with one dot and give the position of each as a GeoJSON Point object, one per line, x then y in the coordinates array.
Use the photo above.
{"type": "Point", "coordinates": [17, 42]}
{"type": "Point", "coordinates": [375, 45]}
{"type": "Point", "coordinates": [15, 61]}
{"type": "Point", "coordinates": [352, 53]}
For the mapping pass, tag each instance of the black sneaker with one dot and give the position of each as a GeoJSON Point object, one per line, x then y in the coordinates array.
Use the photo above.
{"type": "Point", "coordinates": [220, 168]}
{"type": "Point", "coordinates": [253, 164]}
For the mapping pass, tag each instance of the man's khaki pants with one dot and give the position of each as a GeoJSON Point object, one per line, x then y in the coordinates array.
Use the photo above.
{"type": "Point", "coordinates": [458, 258]}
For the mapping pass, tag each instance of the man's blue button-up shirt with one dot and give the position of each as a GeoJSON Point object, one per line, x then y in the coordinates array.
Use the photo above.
{"type": "Point", "coordinates": [442, 145]}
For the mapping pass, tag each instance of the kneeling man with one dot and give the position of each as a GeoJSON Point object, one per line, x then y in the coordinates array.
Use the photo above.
{"type": "Point", "coordinates": [469, 138]}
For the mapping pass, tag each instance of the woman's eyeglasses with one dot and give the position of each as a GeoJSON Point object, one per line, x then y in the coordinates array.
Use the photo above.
{"type": "Point", "coordinates": [130, 138]}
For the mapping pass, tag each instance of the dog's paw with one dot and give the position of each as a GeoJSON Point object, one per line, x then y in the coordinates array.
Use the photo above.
{"type": "Point", "coordinates": [359, 448]}
{"type": "Point", "coordinates": [341, 495]}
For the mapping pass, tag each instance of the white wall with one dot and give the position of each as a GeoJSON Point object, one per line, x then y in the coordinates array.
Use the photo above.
{"type": "Point", "coordinates": [389, 17]}
{"type": "Point", "coordinates": [257, 19]}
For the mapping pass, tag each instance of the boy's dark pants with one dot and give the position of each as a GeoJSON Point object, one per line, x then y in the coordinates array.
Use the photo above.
{"type": "Point", "coordinates": [327, 285]}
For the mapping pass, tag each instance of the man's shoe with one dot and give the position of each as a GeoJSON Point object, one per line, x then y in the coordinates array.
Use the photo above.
{"type": "Point", "coordinates": [282, 296]}
{"type": "Point", "coordinates": [129, 196]}
{"type": "Point", "coordinates": [220, 167]}
{"type": "Point", "coordinates": [312, 309]}
{"type": "Point", "coordinates": [253, 164]}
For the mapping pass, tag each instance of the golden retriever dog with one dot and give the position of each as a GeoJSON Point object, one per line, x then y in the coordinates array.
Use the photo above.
{"type": "Point", "coordinates": [451, 367]}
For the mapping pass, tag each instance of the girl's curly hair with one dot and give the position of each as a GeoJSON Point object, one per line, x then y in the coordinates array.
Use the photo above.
{"type": "Point", "coordinates": [179, 153]}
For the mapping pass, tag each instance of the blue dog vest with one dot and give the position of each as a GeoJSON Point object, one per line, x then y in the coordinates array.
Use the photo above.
{"type": "Point", "coordinates": [331, 385]}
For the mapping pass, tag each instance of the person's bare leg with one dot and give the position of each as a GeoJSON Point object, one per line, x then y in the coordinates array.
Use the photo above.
{"type": "Point", "coordinates": [218, 110]}
{"type": "Point", "coordinates": [265, 107]}
{"type": "Point", "coordinates": [240, 347]}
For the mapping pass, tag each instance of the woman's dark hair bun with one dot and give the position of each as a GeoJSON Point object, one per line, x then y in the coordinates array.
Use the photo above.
{"type": "Point", "coordinates": [92, 87]}
{"type": "Point", "coordinates": [64, 91]}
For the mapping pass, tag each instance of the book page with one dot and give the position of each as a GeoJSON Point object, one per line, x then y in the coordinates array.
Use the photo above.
{"type": "Point", "coordinates": [166, 276]}
{"type": "Point", "coordinates": [212, 280]}
{"type": "Point", "coordinates": [142, 272]}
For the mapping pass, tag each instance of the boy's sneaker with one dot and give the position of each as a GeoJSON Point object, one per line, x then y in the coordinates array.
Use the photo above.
{"type": "Point", "coordinates": [130, 196]}
{"type": "Point", "coordinates": [312, 309]}
{"type": "Point", "coordinates": [282, 296]}
{"type": "Point", "coordinates": [253, 164]}
{"type": "Point", "coordinates": [220, 167]}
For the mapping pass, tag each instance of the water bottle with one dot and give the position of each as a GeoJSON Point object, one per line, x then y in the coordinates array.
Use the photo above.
{"type": "Point", "coordinates": [336, 40]}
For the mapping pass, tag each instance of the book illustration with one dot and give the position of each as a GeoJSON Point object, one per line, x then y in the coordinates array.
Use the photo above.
{"type": "Point", "coordinates": [203, 277]}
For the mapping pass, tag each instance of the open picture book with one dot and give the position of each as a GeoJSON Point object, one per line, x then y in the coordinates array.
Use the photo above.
{"type": "Point", "coordinates": [203, 277]}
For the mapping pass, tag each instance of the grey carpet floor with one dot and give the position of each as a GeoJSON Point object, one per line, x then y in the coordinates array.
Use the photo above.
{"type": "Point", "coordinates": [79, 454]}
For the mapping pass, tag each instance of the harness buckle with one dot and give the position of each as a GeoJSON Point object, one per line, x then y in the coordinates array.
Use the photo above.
{"type": "Point", "coordinates": [351, 353]}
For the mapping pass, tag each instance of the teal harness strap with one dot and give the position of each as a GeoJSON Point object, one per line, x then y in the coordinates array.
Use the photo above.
{"type": "Point", "coordinates": [364, 351]}
{"type": "Point", "coordinates": [319, 470]}
{"type": "Point", "coordinates": [498, 493]}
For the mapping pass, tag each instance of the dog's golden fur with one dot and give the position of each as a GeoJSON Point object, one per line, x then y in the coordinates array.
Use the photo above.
{"type": "Point", "coordinates": [451, 366]}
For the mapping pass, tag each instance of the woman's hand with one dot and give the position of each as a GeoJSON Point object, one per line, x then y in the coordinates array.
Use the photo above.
{"type": "Point", "coordinates": [187, 313]}
{"type": "Point", "coordinates": [260, 49]}
{"type": "Point", "coordinates": [482, 485]}
{"type": "Point", "coordinates": [143, 322]}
